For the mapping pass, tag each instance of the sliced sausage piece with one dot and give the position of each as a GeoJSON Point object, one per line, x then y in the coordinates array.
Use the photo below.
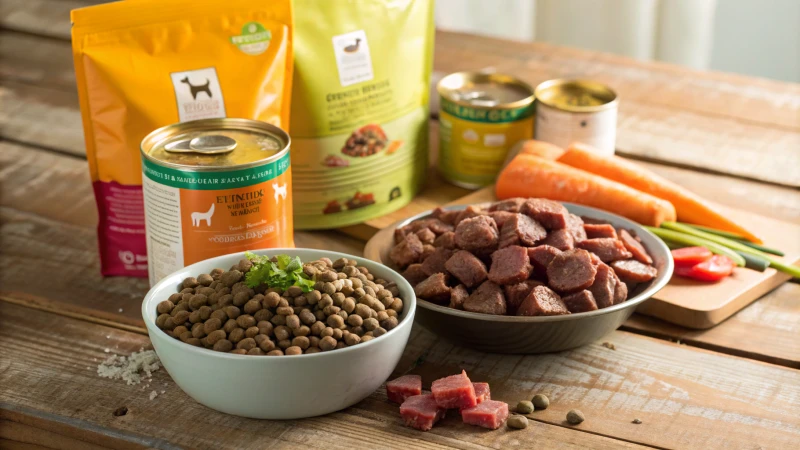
{"type": "Point", "coordinates": [552, 215]}
{"type": "Point", "coordinates": [446, 216]}
{"type": "Point", "coordinates": [426, 236]}
{"type": "Point", "coordinates": [579, 302]}
{"type": "Point", "coordinates": [458, 295]}
{"type": "Point", "coordinates": [434, 289]}
{"type": "Point", "coordinates": [511, 205]}
{"type": "Point", "coordinates": [620, 290]}
{"type": "Point", "coordinates": [607, 249]}
{"type": "Point", "coordinates": [414, 274]}
{"type": "Point", "coordinates": [632, 271]}
{"type": "Point", "coordinates": [571, 271]}
{"type": "Point", "coordinates": [604, 286]}
{"type": "Point", "coordinates": [477, 233]}
{"type": "Point", "coordinates": [435, 262]}
{"type": "Point", "coordinates": [467, 268]}
{"type": "Point", "coordinates": [468, 213]}
{"type": "Point", "coordinates": [500, 217]}
{"type": "Point", "coordinates": [446, 240]}
{"type": "Point", "coordinates": [520, 229]}
{"type": "Point", "coordinates": [407, 252]}
{"type": "Point", "coordinates": [517, 293]}
{"type": "Point", "coordinates": [575, 227]}
{"type": "Point", "coordinates": [427, 250]}
{"type": "Point", "coordinates": [635, 247]}
{"type": "Point", "coordinates": [560, 239]}
{"type": "Point", "coordinates": [510, 265]}
{"type": "Point", "coordinates": [597, 230]}
{"type": "Point", "coordinates": [542, 301]}
{"type": "Point", "coordinates": [487, 299]}
{"type": "Point", "coordinates": [541, 256]}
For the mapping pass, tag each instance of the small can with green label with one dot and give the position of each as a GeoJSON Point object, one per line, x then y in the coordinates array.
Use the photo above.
{"type": "Point", "coordinates": [481, 116]}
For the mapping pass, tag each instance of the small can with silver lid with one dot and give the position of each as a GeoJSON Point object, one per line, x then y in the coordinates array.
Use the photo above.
{"type": "Point", "coordinates": [213, 187]}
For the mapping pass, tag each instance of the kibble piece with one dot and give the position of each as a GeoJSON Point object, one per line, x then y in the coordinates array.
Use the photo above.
{"type": "Point", "coordinates": [389, 323]}
{"type": "Point", "coordinates": [238, 351]}
{"type": "Point", "coordinates": [165, 307]}
{"type": "Point", "coordinates": [174, 298]}
{"type": "Point", "coordinates": [396, 305]}
{"type": "Point", "coordinates": [352, 339]}
{"type": "Point", "coordinates": [262, 314]}
{"type": "Point", "coordinates": [340, 344]}
{"type": "Point", "coordinates": [317, 328]}
{"type": "Point", "coordinates": [575, 417]}
{"type": "Point", "coordinates": [232, 311]}
{"type": "Point", "coordinates": [285, 310]}
{"type": "Point", "coordinates": [212, 324]}
{"type": "Point", "coordinates": [313, 297]}
{"type": "Point", "coordinates": [205, 279]}
{"type": "Point", "coordinates": [194, 317]}
{"type": "Point", "coordinates": [293, 321]}
{"type": "Point", "coordinates": [255, 351]}
{"type": "Point", "coordinates": [236, 335]}
{"type": "Point", "coordinates": [307, 317]}
{"type": "Point", "coordinates": [636, 421]}
{"type": "Point", "coordinates": [301, 341]}
{"type": "Point", "coordinates": [278, 320]}
{"type": "Point", "coordinates": [197, 301]}
{"type": "Point", "coordinates": [282, 333]}
{"type": "Point", "coordinates": [355, 320]}
{"type": "Point", "coordinates": [264, 343]}
{"type": "Point", "coordinates": [325, 302]}
{"type": "Point", "coordinates": [327, 343]}
{"type": "Point", "coordinates": [366, 338]}
{"type": "Point", "coordinates": [271, 300]}
{"type": "Point", "coordinates": [320, 315]}
{"type": "Point", "coordinates": [540, 401]}
{"type": "Point", "coordinates": [371, 324]}
{"type": "Point", "coordinates": [198, 331]}
{"type": "Point", "coordinates": [524, 407]}
{"type": "Point", "coordinates": [194, 341]}
{"type": "Point", "coordinates": [378, 332]}
{"type": "Point", "coordinates": [312, 350]}
{"type": "Point", "coordinates": [293, 351]}
{"type": "Point", "coordinates": [252, 306]}
{"type": "Point", "coordinates": [335, 322]}
{"type": "Point", "coordinates": [230, 325]}
{"type": "Point", "coordinates": [220, 315]}
{"type": "Point", "coordinates": [246, 321]}
{"type": "Point", "coordinates": [180, 317]}
{"type": "Point", "coordinates": [205, 312]}
{"type": "Point", "coordinates": [381, 315]}
{"type": "Point", "coordinates": [230, 278]}
{"type": "Point", "coordinates": [301, 331]}
{"type": "Point", "coordinates": [276, 352]}
{"type": "Point", "coordinates": [349, 305]}
{"type": "Point", "coordinates": [265, 327]}
{"type": "Point", "coordinates": [251, 332]}
{"type": "Point", "coordinates": [337, 334]}
{"type": "Point", "coordinates": [189, 283]}
{"type": "Point", "coordinates": [517, 422]}
{"type": "Point", "coordinates": [184, 336]}
{"type": "Point", "coordinates": [179, 330]}
{"type": "Point", "coordinates": [216, 336]}
{"type": "Point", "coordinates": [223, 345]}
{"type": "Point", "coordinates": [246, 343]}
{"type": "Point", "coordinates": [284, 344]}
{"type": "Point", "coordinates": [362, 310]}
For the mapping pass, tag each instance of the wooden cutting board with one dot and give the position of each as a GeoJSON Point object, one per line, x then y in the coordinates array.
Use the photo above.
{"type": "Point", "coordinates": [702, 305]}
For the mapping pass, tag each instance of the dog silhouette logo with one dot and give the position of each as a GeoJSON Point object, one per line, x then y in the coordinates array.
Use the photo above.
{"type": "Point", "coordinates": [196, 89]}
{"type": "Point", "coordinates": [280, 191]}
{"type": "Point", "coordinates": [199, 216]}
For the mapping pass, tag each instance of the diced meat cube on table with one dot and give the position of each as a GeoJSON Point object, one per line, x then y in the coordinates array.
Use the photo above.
{"type": "Point", "coordinates": [571, 271]}
{"type": "Point", "coordinates": [517, 293]}
{"type": "Point", "coordinates": [454, 392]}
{"type": "Point", "coordinates": [489, 414]}
{"type": "Point", "coordinates": [579, 302]}
{"type": "Point", "coordinates": [560, 239]}
{"type": "Point", "coordinates": [520, 229]}
{"type": "Point", "coordinates": [633, 271]}
{"type": "Point", "coordinates": [434, 289]}
{"type": "Point", "coordinates": [542, 301]}
{"type": "Point", "coordinates": [435, 262]}
{"type": "Point", "coordinates": [604, 230]}
{"type": "Point", "coordinates": [487, 299]}
{"type": "Point", "coordinates": [477, 233]}
{"type": "Point", "coordinates": [399, 389]}
{"type": "Point", "coordinates": [482, 392]}
{"type": "Point", "coordinates": [510, 265]}
{"type": "Point", "coordinates": [421, 412]}
{"type": "Point", "coordinates": [458, 295]}
{"type": "Point", "coordinates": [607, 249]}
{"type": "Point", "coordinates": [552, 215]}
{"type": "Point", "coordinates": [465, 266]}
{"type": "Point", "coordinates": [635, 247]}
{"type": "Point", "coordinates": [604, 287]}
{"type": "Point", "coordinates": [407, 252]}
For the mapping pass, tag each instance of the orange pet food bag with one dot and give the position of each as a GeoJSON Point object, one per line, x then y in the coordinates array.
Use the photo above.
{"type": "Point", "coordinates": [144, 64]}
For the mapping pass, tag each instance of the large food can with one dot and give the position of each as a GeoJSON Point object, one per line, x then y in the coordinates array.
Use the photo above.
{"type": "Point", "coordinates": [213, 187]}
{"type": "Point", "coordinates": [481, 116]}
{"type": "Point", "coordinates": [570, 111]}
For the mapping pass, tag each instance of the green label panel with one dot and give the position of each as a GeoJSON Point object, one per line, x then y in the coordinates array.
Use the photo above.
{"type": "Point", "coordinates": [487, 115]}
{"type": "Point", "coordinates": [208, 181]}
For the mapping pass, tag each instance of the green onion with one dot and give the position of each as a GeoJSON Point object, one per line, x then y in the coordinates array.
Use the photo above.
{"type": "Point", "coordinates": [735, 237]}
{"type": "Point", "coordinates": [731, 244]}
{"type": "Point", "coordinates": [695, 241]}
{"type": "Point", "coordinates": [754, 262]}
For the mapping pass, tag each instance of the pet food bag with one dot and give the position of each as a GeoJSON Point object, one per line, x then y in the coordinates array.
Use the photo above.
{"type": "Point", "coordinates": [144, 64]}
{"type": "Point", "coordinates": [359, 108]}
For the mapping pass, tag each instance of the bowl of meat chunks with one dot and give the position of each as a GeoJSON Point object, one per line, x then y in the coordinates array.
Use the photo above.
{"type": "Point", "coordinates": [524, 275]}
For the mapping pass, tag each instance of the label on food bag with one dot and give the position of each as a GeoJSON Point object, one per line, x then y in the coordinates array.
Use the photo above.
{"type": "Point", "coordinates": [352, 57]}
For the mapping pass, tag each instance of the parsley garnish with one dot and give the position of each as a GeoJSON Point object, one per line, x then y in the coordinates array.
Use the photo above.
{"type": "Point", "coordinates": [281, 274]}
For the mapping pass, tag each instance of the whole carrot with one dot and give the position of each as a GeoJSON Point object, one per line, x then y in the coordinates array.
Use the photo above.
{"type": "Point", "coordinates": [530, 176]}
{"type": "Point", "coordinates": [690, 207]}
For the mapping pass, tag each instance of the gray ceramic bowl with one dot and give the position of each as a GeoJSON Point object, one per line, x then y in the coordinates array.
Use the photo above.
{"type": "Point", "coordinates": [512, 334]}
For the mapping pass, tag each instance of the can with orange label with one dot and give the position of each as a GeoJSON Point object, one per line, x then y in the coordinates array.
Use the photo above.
{"type": "Point", "coordinates": [213, 187]}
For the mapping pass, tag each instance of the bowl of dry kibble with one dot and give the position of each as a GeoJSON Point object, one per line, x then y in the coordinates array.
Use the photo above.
{"type": "Point", "coordinates": [280, 333]}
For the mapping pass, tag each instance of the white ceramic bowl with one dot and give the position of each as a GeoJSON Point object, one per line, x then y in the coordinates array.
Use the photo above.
{"type": "Point", "coordinates": [279, 387]}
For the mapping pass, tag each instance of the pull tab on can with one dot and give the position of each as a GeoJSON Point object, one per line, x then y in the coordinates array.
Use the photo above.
{"type": "Point", "coordinates": [208, 144]}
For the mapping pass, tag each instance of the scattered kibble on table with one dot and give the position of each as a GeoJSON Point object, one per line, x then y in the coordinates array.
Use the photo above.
{"type": "Point", "coordinates": [524, 407]}
{"type": "Point", "coordinates": [637, 421]}
{"type": "Point", "coordinates": [517, 421]}
{"type": "Point", "coordinates": [575, 417]}
{"type": "Point", "coordinates": [540, 401]}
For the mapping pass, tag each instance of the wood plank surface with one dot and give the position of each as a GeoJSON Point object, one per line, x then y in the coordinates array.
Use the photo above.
{"type": "Point", "coordinates": [50, 372]}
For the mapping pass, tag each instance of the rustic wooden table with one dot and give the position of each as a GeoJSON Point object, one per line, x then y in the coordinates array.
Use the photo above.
{"type": "Point", "coordinates": [733, 138]}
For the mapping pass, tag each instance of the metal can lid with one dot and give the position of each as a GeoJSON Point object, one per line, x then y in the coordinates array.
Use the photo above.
{"type": "Point", "coordinates": [582, 96]}
{"type": "Point", "coordinates": [211, 144]}
{"type": "Point", "coordinates": [485, 90]}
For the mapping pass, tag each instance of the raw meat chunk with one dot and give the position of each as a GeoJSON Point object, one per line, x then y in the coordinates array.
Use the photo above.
{"type": "Point", "coordinates": [542, 301]}
{"type": "Point", "coordinates": [421, 412]}
{"type": "Point", "coordinates": [426, 236]}
{"type": "Point", "coordinates": [520, 229]}
{"type": "Point", "coordinates": [435, 262]}
{"type": "Point", "coordinates": [455, 391]}
{"type": "Point", "coordinates": [434, 289]}
{"type": "Point", "coordinates": [635, 247]}
{"type": "Point", "coordinates": [500, 217]}
{"type": "Point", "coordinates": [517, 293]}
{"type": "Point", "coordinates": [541, 256]}
{"type": "Point", "coordinates": [477, 233]}
{"type": "Point", "coordinates": [489, 414]}
{"type": "Point", "coordinates": [633, 271]}
{"type": "Point", "coordinates": [594, 231]}
{"type": "Point", "coordinates": [399, 389]}
{"type": "Point", "coordinates": [414, 274]}
{"type": "Point", "coordinates": [510, 265]}
{"type": "Point", "coordinates": [446, 216]}
{"type": "Point", "coordinates": [571, 271]}
{"type": "Point", "coordinates": [579, 302]}
{"type": "Point", "coordinates": [446, 240]}
{"type": "Point", "coordinates": [482, 391]}
{"type": "Point", "coordinates": [620, 290]}
{"type": "Point", "coordinates": [407, 252]}
{"type": "Point", "coordinates": [560, 239]}
{"type": "Point", "coordinates": [607, 249]}
{"type": "Point", "coordinates": [467, 268]}
{"type": "Point", "coordinates": [427, 250]}
{"type": "Point", "coordinates": [458, 295]}
{"type": "Point", "coordinates": [575, 228]}
{"type": "Point", "coordinates": [487, 299]}
{"type": "Point", "coordinates": [552, 215]}
{"type": "Point", "coordinates": [604, 286]}
{"type": "Point", "coordinates": [511, 205]}
{"type": "Point", "coordinates": [468, 213]}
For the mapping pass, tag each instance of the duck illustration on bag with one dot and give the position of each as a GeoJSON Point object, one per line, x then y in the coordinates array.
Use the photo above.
{"type": "Point", "coordinates": [199, 216]}
{"type": "Point", "coordinates": [196, 89]}
{"type": "Point", "coordinates": [352, 48]}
